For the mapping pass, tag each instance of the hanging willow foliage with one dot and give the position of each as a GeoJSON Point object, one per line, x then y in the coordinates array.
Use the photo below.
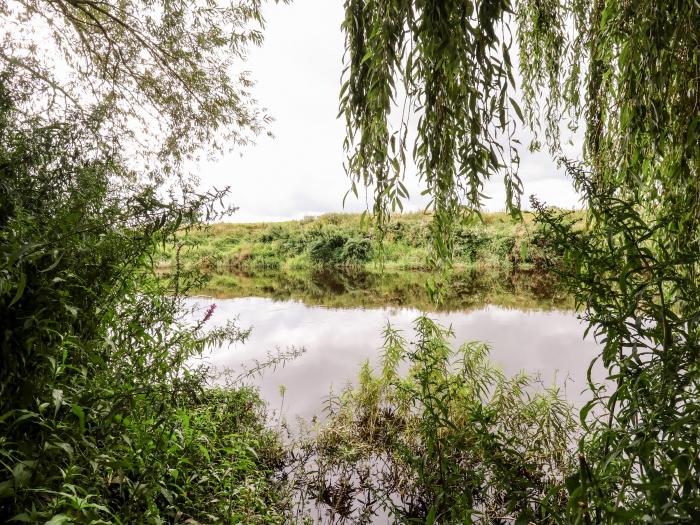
{"type": "Point", "coordinates": [452, 61]}
{"type": "Point", "coordinates": [636, 270]}
{"type": "Point", "coordinates": [638, 67]}
{"type": "Point", "coordinates": [629, 74]}
{"type": "Point", "coordinates": [626, 70]}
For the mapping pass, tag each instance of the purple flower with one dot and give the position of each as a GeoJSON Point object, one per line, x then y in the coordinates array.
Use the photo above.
{"type": "Point", "coordinates": [209, 313]}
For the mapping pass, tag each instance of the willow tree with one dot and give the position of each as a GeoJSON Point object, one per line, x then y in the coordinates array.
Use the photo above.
{"type": "Point", "coordinates": [629, 74]}
{"type": "Point", "coordinates": [161, 77]}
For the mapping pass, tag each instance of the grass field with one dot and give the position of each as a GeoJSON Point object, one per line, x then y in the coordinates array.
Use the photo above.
{"type": "Point", "coordinates": [342, 240]}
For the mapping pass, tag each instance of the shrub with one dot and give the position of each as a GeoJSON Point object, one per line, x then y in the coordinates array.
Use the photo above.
{"type": "Point", "coordinates": [356, 251]}
{"type": "Point", "coordinates": [469, 241]}
{"type": "Point", "coordinates": [105, 414]}
{"type": "Point", "coordinates": [273, 233]}
{"type": "Point", "coordinates": [450, 441]}
{"type": "Point", "coordinates": [326, 250]}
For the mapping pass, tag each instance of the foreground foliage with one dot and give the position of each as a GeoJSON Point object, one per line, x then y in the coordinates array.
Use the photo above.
{"type": "Point", "coordinates": [439, 436]}
{"type": "Point", "coordinates": [106, 411]}
{"type": "Point", "coordinates": [627, 71]}
{"type": "Point", "coordinates": [106, 415]}
{"type": "Point", "coordinates": [641, 290]}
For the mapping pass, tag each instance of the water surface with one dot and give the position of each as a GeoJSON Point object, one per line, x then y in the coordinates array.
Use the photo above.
{"type": "Point", "coordinates": [338, 340]}
{"type": "Point", "coordinates": [465, 289]}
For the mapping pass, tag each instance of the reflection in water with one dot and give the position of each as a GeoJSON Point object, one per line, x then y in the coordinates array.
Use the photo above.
{"type": "Point", "coordinates": [465, 290]}
{"type": "Point", "coordinates": [337, 341]}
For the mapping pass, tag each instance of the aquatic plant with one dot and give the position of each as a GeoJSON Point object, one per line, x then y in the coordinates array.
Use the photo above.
{"type": "Point", "coordinates": [439, 435]}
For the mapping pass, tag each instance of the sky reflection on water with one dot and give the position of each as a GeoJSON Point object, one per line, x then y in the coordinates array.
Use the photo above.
{"type": "Point", "coordinates": [337, 341]}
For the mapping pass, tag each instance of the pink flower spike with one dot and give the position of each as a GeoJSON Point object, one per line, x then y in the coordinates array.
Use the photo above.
{"type": "Point", "coordinates": [209, 313]}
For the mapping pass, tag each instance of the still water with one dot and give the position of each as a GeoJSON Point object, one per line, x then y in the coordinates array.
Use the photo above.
{"type": "Point", "coordinates": [336, 341]}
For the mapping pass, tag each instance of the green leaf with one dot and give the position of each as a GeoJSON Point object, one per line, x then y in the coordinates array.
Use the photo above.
{"type": "Point", "coordinates": [53, 265]}
{"type": "Point", "coordinates": [59, 519]}
{"type": "Point", "coordinates": [517, 109]}
{"type": "Point", "coordinates": [523, 519]}
{"type": "Point", "coordinates": [72, 310]}
{"type": "Point", "coordinates": [78, 411]}
{"type": "Point", "coordinates": [7, 488]}
{"type": "Point", "coordinates": [20, 288]}
{"type": "Point", "coordinates": [573, 482]}
{"type": "Point", "coordinates": [430, 519]}
{"type": "Point", "coordinates": [57, 396]}
{"type": "Point", "coordinates": [21, 474]}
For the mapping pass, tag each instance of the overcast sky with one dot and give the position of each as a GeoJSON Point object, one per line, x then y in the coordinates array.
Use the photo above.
{"type": "Point", "coordinates": [299, 172]}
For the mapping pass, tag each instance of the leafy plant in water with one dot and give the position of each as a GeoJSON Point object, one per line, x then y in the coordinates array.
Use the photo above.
{"type": "Point", "coordinates": [440, 436]}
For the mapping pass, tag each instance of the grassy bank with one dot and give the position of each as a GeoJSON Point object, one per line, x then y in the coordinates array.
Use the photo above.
{"type": "Point", "coordinates": [342, 240]}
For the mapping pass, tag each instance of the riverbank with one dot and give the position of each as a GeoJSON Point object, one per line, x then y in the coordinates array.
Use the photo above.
{"type": "Point", "coordinates": [344, 241]}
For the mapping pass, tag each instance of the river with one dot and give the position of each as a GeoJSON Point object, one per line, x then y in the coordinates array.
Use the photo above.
{"type": "Point", "coordinates": [536, 335]}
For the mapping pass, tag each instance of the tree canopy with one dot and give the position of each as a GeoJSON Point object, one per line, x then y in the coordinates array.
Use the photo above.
{"type": "Point", "coordinates": [629, 73]}
{"type": "Point", "coordinates": [162, 77]}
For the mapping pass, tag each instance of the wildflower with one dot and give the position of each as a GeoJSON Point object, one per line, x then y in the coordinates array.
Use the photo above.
{"type": "Point", "coordinates": [209, 313]}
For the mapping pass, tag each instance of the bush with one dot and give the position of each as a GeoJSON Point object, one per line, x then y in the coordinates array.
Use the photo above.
{"type": "Point", "coordinates": [469, 241]}
{"type": "Point", "coordinates": [273, 233]}
{"type": "Point", "coordinates": [356, 251]}
{"type": "Point", "coordinates": [327, 249]}
{"type": "Point", "coordinates": [105, 415]}
{"type": "Point", "coordinates": [451, 441]}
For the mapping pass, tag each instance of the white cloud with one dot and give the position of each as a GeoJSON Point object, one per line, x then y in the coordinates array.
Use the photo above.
{"type": "Point", "coordinates": [300, 171]}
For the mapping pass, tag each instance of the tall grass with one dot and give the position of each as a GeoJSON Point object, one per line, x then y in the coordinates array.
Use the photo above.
{"type": "Point", "coordinates": [343, 240]}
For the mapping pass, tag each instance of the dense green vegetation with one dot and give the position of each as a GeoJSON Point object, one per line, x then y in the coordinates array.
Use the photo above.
{"type": "Point", "coordinates": [439, 435]}
{"type": "Point", "coordinates": [343, 240]}
{"type": "Point", "coordinates": [629, 73]}
{"type": "Point", "coordinates": [107, 414]}
{"type": "Point", "coordinates": [104, 416]}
